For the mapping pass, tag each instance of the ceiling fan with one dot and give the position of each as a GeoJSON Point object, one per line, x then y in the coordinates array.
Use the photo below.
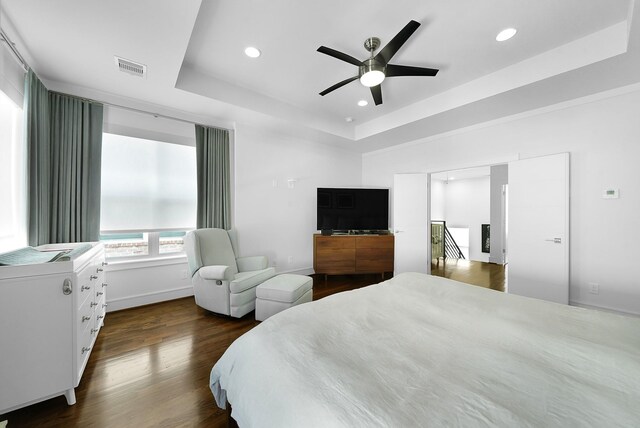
{"type": "Point", "coordinates": [375, 69]}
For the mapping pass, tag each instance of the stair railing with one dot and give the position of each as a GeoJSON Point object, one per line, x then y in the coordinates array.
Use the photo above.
{"type": "Point", "coordinates": [443, 244]}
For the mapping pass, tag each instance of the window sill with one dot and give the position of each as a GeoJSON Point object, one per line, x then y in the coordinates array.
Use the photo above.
{"type": "Point", "coordinates": [145, 262]}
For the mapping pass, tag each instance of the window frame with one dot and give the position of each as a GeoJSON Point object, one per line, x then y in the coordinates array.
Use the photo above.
{"type": "Point", "coordinates": [153, 244]}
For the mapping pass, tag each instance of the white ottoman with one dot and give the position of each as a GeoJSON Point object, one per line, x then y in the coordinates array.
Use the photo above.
{"type": "Point", "coordinates": [282, 292]}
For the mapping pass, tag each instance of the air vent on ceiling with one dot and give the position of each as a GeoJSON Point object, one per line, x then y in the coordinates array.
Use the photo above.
{"type": "Point", "coordinates": [130, 67]}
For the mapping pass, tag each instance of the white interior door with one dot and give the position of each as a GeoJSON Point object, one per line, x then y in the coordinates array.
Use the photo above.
{"type": "Point", "coordinates": [538, 207]}
{"type": "Point", "coordinates": [410, 220]}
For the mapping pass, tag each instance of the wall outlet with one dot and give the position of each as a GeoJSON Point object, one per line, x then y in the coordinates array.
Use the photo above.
{"type": "Point", "coordinates": [594, 288]}
{"type": "Point", "coordinates": [290, 260]}
{"type": "Point", "coordinates": [185, 274]}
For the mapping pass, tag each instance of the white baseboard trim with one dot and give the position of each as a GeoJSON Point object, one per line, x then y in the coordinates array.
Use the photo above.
{"type": "Point", "coordinates": [172, 294]}
{"type": "Point", "coordinates": [604, 308]}
{"type": "Point", "coordinates": [148, 298]}
{"type": "Point", "coordinates": [303, 271]}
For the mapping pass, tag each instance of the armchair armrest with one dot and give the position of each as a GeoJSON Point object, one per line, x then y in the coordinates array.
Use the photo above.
{"type": "Point", "coordinates": [213, 272]}
{"type": "Point", "coordinates": [246, 264]}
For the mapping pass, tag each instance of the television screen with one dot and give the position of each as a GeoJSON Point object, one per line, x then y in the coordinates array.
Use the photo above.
{"type": "Point", "coordinates": [353, 209]}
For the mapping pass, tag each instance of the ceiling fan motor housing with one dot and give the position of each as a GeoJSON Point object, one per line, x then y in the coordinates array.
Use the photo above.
{"type": "Point", "coordinates": [371, 64]}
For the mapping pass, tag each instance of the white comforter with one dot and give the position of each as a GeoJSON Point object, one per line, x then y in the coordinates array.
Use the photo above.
{"type": "Point", "coordinates": [424, 351]}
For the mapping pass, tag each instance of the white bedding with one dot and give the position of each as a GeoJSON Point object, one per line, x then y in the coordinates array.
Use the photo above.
{"type": "Point", "coordinates": [423, 351]}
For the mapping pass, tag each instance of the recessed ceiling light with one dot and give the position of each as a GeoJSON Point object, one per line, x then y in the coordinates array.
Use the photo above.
{"type": "Point", "coordinates": [506, 34]}
{"type": "Point", "coordinates": [348, 119]}
{"type": "Point", "coordinates": [252, 52]}
{"type": "Point", "coordinates": [363, 103]}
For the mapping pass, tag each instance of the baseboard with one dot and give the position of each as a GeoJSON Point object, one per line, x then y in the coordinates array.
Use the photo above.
{"type": "Point", "coordinates": [303, 271]}
{"type": "Point", "coordinates": [148, 298]}
{"type": "Point", "coordinates": [172, 294]}
{"type": "Point", "coordinates": [604, 308]}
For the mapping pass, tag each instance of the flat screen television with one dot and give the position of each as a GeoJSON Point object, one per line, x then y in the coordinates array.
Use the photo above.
{"type": "Point", "coordinates": [344, 209]}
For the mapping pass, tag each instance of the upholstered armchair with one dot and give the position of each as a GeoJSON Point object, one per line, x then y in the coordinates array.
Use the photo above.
{"type": "Point", "coordinates": [222, 282]}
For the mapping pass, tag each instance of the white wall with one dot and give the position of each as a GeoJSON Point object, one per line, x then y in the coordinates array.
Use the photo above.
{"type": "Point", "coordinates": [467, 205]}
{"type": "Point", "coordinates": [499, 177]}
{"type": "Point", "coordinates": [136, 283]}
{"type": "Point", "coordinates": [603, 138]}
{"type": "Point", "coordinates": [438, 210]}
{"type": "Point", "coordinates": [271, 218]}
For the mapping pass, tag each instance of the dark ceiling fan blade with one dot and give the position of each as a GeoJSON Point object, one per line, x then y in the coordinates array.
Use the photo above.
{"type": "Point", "coordinates": [341, 56]}
{"type": "Point", "coordinates": [406, 70]}
{"type": "Point", "coordinates": [338, 85]}
{"type": "Point", "coordinates": [376, 91]}
{"type": "Point", "coordinates": [396, 43]}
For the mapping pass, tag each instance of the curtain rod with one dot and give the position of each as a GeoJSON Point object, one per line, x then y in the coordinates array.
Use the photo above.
{"type": "Point", "coordinates": [164, 116]}
{"type": "Point", "coordinates": [14, 50]}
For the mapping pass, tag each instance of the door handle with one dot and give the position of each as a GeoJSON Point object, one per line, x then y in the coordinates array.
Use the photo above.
{"type": "Point", "coordinates": [398, 231]}
{"type": "Point", "coordinates": [555, 240]}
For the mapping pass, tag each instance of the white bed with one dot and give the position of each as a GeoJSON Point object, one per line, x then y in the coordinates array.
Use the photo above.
{"type": "Point", "coordinates": [419, 350]}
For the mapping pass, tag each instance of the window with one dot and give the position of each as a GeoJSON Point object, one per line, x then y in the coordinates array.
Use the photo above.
{"type": "Point", "coordinates": [148, 197]}
{"type": "Point", "coordinates": [125, 244]}
{"type": "Point", "coordinates": [171, 242]}
{"type": "Point", "coordinates": [13, 197]}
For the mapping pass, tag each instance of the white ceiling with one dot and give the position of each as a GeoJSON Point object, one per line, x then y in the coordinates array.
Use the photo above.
{"type": "Point", "coordinates": [196, 65]}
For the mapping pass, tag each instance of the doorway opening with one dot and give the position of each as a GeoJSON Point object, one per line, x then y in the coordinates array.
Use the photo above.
{"type": "Point", "coordinates": [469, 225]}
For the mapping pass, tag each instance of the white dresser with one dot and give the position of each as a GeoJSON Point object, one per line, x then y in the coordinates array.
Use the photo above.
{"type": "Point", "coordinates": [50, 316]}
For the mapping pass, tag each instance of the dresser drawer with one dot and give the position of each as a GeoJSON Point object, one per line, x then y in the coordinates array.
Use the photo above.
{"type": "Point", "coordinates": [83, 349]}
{"type": "Point", "coordinates": [85, 286]}
{"type": "Point", "coordinates": [370, 260]}
{"type": "Point", "coordinates": [86, 317]}
{"type": "Point", "coordinates": [380, 241]}
{"type": "Point", "coordinates": [334, 242]}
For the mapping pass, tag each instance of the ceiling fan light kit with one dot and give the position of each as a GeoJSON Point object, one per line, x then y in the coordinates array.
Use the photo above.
{"type": "Point", "coordinates": [373, 70]}
{"type": "Point", "coordinates": [371, 75]}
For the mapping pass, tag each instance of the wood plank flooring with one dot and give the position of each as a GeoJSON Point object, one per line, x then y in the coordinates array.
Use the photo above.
{"type": "Point", "coordinates": [150, 367]}
{"type": "Point", "coordinates": [488, 275]}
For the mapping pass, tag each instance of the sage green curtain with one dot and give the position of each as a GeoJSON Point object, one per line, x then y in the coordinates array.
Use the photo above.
{"type": "Point", "coordinates": [36, 107]}
{"type": "Point", "coordinates": [213, 176]}
{"type": "Point", "coordinates": [76, 153]}
{"type": "Point", "coordinates": [64, 138]}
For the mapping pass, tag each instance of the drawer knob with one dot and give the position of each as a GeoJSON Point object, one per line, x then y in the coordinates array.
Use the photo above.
{"type": "Point", "coordinates": [66, 287]}
{"type": "Point", "coordinates": [93, 277]}
{"type": "Point", "coordinates": [99, 293]}
{"type": "Point", "coordinates": [99, 270]}
{"type": "Point", "coordinates": [85, 349]}
{"type": "Point", "coordinates": [85, 318]}
{"type": "Point", "coordinates": [104, 263]}
{"type": "Point", "coordinates": [93, 304]}
{"type": "Point", "coordinates": [85, 287]}
{"type": "Point", "coordinates": [104, 305]}
{"type": "Point", "coordinates": [94, 330]}
{"type": "Point", "coordinates": [100, 317]}
{"type": "Point", "coordinates": [104, 284]}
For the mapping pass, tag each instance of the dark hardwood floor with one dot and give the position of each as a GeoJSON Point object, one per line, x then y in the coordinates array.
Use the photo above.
{"type": "Point", "coordinates": [150, 367]}
{"type": "Point", "coordinates": [488, 275]}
